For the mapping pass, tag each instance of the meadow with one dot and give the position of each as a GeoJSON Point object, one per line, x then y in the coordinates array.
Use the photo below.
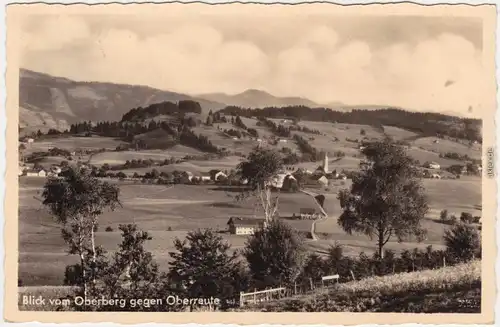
{"type": "Point", "coordinates": [116, 158]}
{"type": "Point", "coordinates": [168, 212]}
{"type": "Point", "coordinates": [72, 143]}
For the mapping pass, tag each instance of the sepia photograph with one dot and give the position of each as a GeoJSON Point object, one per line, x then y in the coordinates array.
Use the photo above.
{"type": "Point", "coordinates": [239, 158]}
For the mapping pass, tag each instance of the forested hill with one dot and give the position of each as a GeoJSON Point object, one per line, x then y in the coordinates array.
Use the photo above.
{"type": "Point", "coordinates": [424, 123]}
{"type": "Point", "coordinates": [188, 113]}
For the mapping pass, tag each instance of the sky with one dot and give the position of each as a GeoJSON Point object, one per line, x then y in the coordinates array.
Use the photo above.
{"type": "Point", "coordinates": [422, 63]}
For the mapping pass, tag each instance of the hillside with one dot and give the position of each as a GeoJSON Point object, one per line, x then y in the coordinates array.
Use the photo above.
{"type": "Point", "coordinates": [53, 102]}
{"type": "Point", "coordinates": [446, 290]}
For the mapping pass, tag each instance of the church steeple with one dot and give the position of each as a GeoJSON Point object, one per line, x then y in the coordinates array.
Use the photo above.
{"type": "Point", "coordinates": [325, 164]}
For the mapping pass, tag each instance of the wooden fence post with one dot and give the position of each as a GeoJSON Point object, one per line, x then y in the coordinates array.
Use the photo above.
{"type": "Point", "coordinates": [311, 282]}
{"type": "Point", "coordinates": [444, 261]}
{"type": "Point", "coordinates": [295, 287]}
{"type": "Point", "coordinates": [241, 299]}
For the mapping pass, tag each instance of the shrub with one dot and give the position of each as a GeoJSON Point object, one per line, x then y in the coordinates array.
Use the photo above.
{"type": "Point", "coordinates": [453, 219]}
{"type": "Point", "coordinates": [444, 215]}
{"type": "Point", "coordinates": [109, 229]}
{"type": "Point", "coordinates": [476, 219]}
{"type": "Point", "coordinates": [462, 242]}
{"type": "Point", "coordinates": [169, 228]}
{"type": "Point", "coordinates": [73, 275]}
{"type": "Point", "coordinates": [266, 267]}
{"type": "Point", "coordinates": [466, 217]}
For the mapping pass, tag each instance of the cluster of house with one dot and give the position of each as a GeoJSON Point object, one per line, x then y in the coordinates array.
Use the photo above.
{"type": "Point", "coordinates": [434, 166]}
{"type": "Point", "coordinates": [215, 175]}
{"type": "Point", "coordinates": [309, 214]}
{"type": "Point", "coordinates": [322, 175]}
{"type": "Point", "coordinates": [54, 171]}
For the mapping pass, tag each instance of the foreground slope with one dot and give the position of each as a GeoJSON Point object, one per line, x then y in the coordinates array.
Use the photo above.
{"type": "Point", "coordinates": [455, 289]}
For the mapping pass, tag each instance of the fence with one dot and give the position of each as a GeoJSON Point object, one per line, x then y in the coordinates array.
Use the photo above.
{"type": "Point", "coordinates": [262, 296]}
{"type": "Point", "coordinates": [281, 292]}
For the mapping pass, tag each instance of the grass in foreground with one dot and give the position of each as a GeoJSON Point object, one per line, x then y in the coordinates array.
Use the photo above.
{"type": "Point", "coordinates": [454, 289]}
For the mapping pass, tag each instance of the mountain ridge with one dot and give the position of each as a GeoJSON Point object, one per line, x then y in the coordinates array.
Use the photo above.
{"type": "Point", "coordinates": [47, 101]}
{"type": "Point", "coordinates": [255, 98]}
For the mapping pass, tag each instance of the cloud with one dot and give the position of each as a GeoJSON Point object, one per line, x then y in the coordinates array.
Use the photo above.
{"type": "Point", "coordinates": [320, 64]}
{"type": "Point", "coordinates": [55, 33]}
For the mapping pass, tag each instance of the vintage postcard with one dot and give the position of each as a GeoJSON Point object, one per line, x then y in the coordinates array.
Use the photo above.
{"type": "Point", "coordinates": [196, 163]}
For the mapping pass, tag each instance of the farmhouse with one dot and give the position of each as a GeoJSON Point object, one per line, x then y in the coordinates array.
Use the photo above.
{"type": "Point", "coordinates": [342, 177]}
{"type": "Point", "coordinates": [56, 170]}
{"type": "Point", "coordinates": [323, 180]}
{"type": "Point", "coordinates": [308, 213]}
{"type": "Point", "coordinates": [243, 226]}
{"type": "Point", "coordinates": [205, 177]}
{"type": "Point", "coordinates": [189, 175]}
{"type": "Point", "coordinates": [333, 175]}
{"type": "Point", "coordinates": [432, 165]}
{"type": "Point", "coordinates": [280, 178]}
{"type": "Point", "coordinates": [36, 173]}
{"type": "Point", "coordinates": [216, 174]}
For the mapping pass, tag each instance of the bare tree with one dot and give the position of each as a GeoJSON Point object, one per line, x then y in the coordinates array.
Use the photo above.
{"type": "Point", "coordinates": [260, 170]}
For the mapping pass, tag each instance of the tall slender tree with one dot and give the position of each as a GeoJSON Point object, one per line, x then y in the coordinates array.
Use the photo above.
{"type": "Point", "coordinates": [77, 200]}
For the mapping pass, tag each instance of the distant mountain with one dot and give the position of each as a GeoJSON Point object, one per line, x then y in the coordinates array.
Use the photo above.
{"type": "Point", "coordinates": [54, 102]}
{"type": "Point", "coordinates": [258, 99]}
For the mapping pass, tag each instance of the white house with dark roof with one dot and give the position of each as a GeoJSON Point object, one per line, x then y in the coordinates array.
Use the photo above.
{"type": "Point", "coordinates": [36, 173]}
{"type": "Point", "coordinates": [244, 225]}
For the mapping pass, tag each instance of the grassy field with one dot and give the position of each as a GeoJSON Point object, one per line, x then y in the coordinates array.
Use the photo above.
{"type": "Point", "coordinates": [73, 143]}
{"type": "Point", "coordinates": [114, 158]}
{"type": "Point", "coordinates": [168, 212]}
{"type": "Point", "coordinates": [194, 166]}
{"type": "Point", "coordinates": [444, 146]}
{"type": "Point", "coordinates": [447, 290]}
{"type": "Point", "coordinates": [398, 133]}
{"type": "Point", "coordinates": [467, 198]}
